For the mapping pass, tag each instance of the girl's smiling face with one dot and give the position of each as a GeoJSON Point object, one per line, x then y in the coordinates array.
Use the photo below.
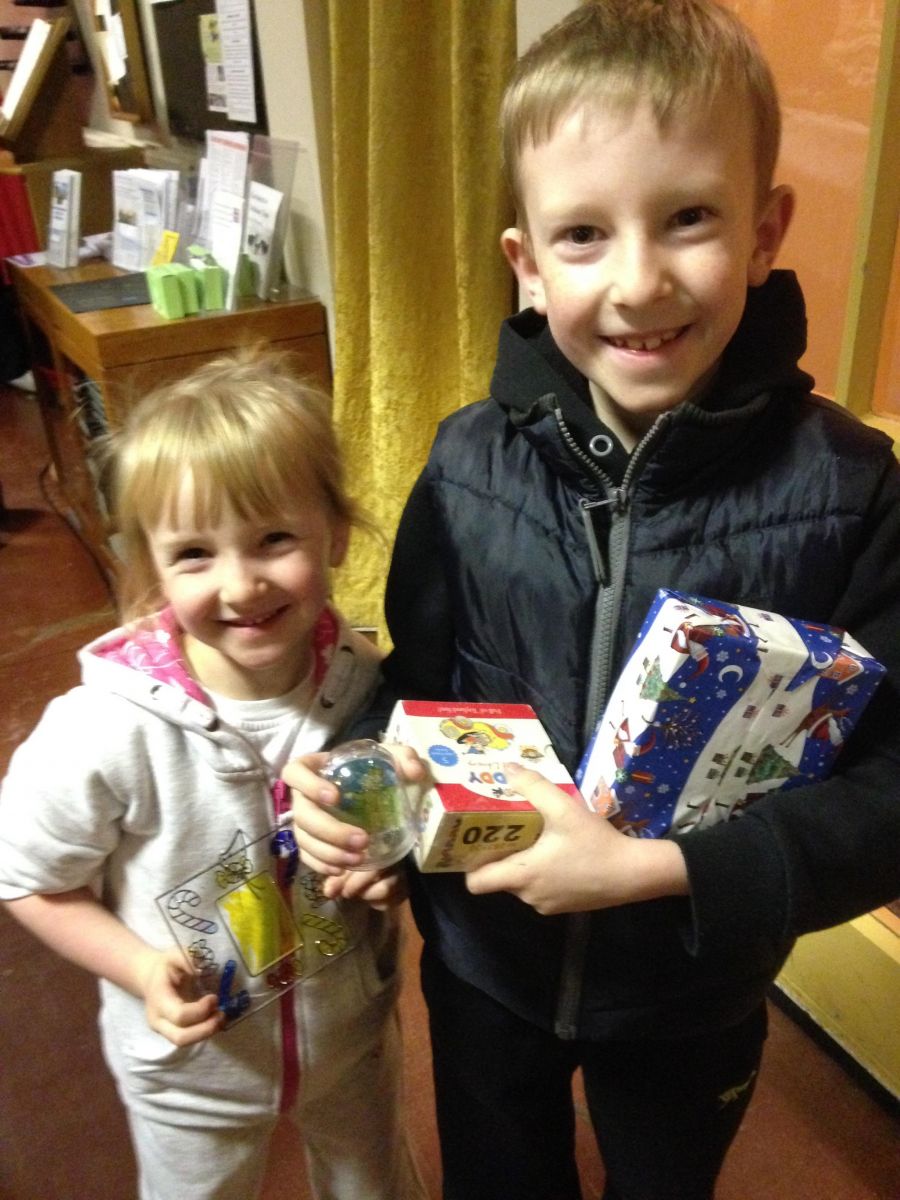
{"type": "Point", "coordinates": [639, 245]}
{"type": "Point", "coordinates": [247, 591]}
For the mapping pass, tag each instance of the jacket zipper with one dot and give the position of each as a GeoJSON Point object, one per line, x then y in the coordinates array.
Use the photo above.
{"type": "Point", "coordinates": [606, 612]}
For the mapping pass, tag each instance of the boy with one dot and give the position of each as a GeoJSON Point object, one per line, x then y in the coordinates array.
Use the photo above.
{"type": "Point", "coordinates": [648, 426]}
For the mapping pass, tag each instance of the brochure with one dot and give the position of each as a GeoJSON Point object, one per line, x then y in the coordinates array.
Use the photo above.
{"type": "Point", "coordinates": [145, 202]}
{"type": "Point", "coordinates": [64, 232]}
{"type": "Point", "coordinates": [263, 204]}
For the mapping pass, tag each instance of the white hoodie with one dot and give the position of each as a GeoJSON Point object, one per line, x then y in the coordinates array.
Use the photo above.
{"type": "Point", "coordinates": [132, 784]}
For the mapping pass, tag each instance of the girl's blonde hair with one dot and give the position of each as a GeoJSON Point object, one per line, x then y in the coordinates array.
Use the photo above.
{"type": "Point", "coordinates": [616, 52]}
{"type": "Point", "coordinates": [247, 431]}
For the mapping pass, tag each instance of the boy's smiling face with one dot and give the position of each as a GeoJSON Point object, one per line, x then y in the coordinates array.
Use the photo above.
{"type": "Point", "coordinates": [640, 245]}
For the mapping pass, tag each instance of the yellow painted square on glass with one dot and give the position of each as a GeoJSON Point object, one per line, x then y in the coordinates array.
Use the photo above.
{"type": "Point", "coordinates": [260, 923]}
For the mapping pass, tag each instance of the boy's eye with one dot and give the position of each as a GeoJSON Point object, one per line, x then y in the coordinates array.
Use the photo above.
{"type": "Point", "coordinates": [687, 217]}
{"type": "Point", "coordinates": [582, 235]}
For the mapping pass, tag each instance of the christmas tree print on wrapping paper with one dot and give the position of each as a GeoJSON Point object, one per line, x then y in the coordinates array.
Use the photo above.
{"type": "Point", "coordinates": [770, 766]}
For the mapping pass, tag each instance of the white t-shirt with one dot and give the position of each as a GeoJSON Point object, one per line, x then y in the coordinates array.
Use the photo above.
{"type": "Point", "coordinates": [269, 725]}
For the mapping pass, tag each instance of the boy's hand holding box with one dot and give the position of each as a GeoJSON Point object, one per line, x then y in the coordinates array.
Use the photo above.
{"type": "Point", "coordinates": [470, 815]}
{"type": "Point", "coordinates": [718, 705]}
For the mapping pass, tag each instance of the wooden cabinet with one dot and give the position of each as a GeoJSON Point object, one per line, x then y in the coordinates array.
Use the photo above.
{"type": "Point", "coordinates": [15, 21]}
{"type": "Point", "coordinates": [45, 129]}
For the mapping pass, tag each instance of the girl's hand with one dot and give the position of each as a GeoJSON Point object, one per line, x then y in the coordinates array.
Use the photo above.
{"type": "Point", "coordinates": [580, 862]}
{"type": "Point", "coordinates": [382, 889]}
{"type": "Point", "coordinates": [78, 927]}
{"type": "Point", "coordinates": [327, 844]}
{"type": "Point", "coordinates": [171, 1002]}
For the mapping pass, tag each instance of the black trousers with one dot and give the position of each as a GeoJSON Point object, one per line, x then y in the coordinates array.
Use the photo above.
{"type": "Point", "coordinates": [664, 1113]}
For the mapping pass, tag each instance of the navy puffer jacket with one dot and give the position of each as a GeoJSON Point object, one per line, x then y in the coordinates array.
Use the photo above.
{"type": "Point", "coordinates": [522, 572]}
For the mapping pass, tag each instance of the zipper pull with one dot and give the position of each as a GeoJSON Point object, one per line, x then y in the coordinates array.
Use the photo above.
{"type": "Point", "coordinates": [281, 800]}
{"type": "Point", "coordinates": [618, 499]}
{"type": "Point", "coordinates": [601, 574]}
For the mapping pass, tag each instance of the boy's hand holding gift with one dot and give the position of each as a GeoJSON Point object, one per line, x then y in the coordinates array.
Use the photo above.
{"type": "Point", "coordinates": [580, 861]}
{"type": "Point", "coordinates": [717, 706]}
{"type": "Point", "coordinates": [756, 721]}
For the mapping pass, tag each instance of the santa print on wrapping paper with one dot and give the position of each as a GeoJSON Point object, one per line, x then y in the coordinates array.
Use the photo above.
{"type": "Point", "coordinates": [713, 711]}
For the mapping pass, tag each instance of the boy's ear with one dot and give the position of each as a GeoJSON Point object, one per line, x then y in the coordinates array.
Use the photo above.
{"type": "Point", "coordinates": [771, 227]}
{"type": "Point", "coordinates": [516, 245]}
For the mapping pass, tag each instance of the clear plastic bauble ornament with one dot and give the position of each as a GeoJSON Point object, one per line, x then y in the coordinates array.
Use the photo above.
{"type": "Point", "coordinates": [374, 798]}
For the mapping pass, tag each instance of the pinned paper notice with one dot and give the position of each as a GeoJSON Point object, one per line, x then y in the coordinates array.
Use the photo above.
{"type": "Point", "coordinates": [236, 35]}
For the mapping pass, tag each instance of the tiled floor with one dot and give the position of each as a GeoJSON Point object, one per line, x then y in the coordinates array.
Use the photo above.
{"type": "Point", "coordinates": [812, 1134]}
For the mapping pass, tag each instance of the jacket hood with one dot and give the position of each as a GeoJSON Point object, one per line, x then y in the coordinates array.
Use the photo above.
{"type": "Point", "coordinates": [761, 356]}
{"type": "Point", "coordinates": [533, 381]}
{"type": "Point", "coordinates": [142, 663]}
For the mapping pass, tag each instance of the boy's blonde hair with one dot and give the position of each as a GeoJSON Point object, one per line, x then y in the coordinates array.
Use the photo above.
{"type": "Point", "coordinates": [616, 52]}
{"type": "Point", "coordinates": [246, 430]}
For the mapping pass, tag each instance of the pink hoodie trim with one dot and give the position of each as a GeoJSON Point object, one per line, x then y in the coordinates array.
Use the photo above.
{"type": "Point", "coordinates": [153, 648]}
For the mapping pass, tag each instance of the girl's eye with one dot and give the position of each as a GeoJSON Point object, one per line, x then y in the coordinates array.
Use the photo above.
{"type": "Point", "coordinates": [190, 552]}
{"type": "Point", "coordinates": [277, 536]}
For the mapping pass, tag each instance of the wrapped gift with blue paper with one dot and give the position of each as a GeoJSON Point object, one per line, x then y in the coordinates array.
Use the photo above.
{"type": "Point", "coordinates": [718, 705]}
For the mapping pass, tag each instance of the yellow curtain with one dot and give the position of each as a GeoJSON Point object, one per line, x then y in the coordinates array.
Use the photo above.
{"type": "Point", "coordinates": [418, 206]}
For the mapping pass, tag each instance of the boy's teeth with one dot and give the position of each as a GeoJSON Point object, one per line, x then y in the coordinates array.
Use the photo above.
{"type": "Point", "coordinates": [650, 343]}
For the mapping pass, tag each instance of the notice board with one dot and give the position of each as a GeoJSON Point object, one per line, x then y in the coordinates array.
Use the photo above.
{"type": "Point", "coordinates": [185, 34]}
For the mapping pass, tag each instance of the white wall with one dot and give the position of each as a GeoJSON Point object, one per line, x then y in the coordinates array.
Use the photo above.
{"type": "Point", "coordinates": [293, 49]}
{"type": "Point", "coordinates": [534, 17]}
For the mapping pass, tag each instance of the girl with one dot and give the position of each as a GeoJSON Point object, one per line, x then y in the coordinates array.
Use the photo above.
{"type": "Point", "coordinates": [163, 769]}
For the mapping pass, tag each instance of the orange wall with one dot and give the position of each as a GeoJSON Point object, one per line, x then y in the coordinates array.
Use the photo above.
{"type": "Point", "coordinates": [887, 385]}
{"type": "Point", "coordinates": [824, 56]}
